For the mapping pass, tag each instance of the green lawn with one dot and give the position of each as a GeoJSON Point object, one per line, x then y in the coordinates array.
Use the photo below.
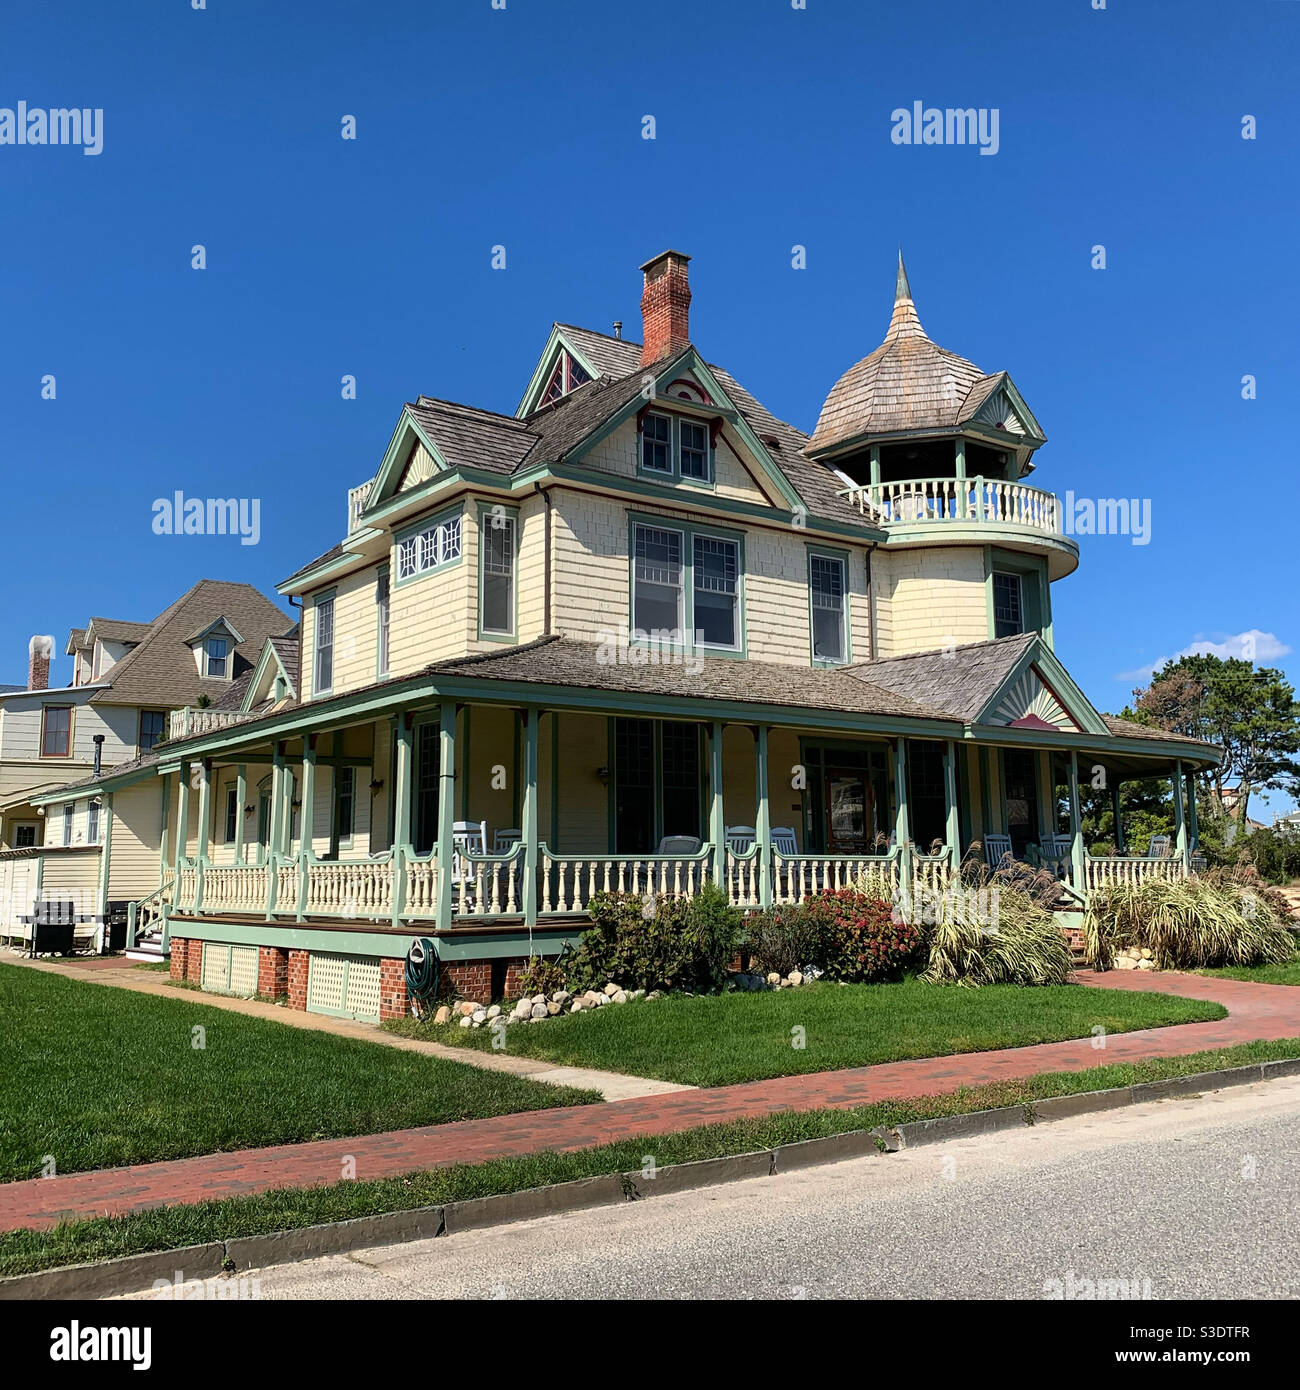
{"type": "Point", "coordinates": [95, 1077]}
{"type": "Point", "coordinates": [720, 1039]}
{"type": "Point", "coordinates": [1285, 974]}
{"type": "Point", "coordinates": [165, 1228]}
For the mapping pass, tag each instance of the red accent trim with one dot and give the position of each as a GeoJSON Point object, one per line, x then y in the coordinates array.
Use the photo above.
{"type": "Point", "coordinates": [1032, 721]}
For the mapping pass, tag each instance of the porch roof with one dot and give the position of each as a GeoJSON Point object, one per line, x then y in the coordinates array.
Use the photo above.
{"type": "Point", "coordinates": [958, 680]}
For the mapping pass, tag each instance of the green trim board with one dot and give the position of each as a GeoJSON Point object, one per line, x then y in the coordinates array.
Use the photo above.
{"type": "Point", "coordinates": [269, 655]}
{"type": "Point", "coordinates": [325, 596]}
{"type": "Point", "coordinates": [412, 530]}
{"type": "Point", "coordinates": [406, 433]}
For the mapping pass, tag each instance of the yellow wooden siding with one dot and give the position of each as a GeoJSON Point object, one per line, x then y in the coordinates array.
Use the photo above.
{"type": "Point", "coordinates": [72, 876]}
{"type": "Point", "coordinates": [583, 799]}
{"type": "Point", "coordinates": [531, 593]}
{"type": "Point", "coordinates": [433, 616]}
{"type": "Point", "coordinates": [487, 792]}
{"type": "Point", "coordinates": [137, 832]}
{"type": "Point", "coordinates": [929, 598]}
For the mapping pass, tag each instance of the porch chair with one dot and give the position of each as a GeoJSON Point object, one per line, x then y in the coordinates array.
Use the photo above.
{"type": "Point", "coordinates": [503, 841]}
{"type": "Point", "coordinates": [740, 837]}
{"type": "Point", "coordinates": [996, 848]}
{"type": "Point", "coordinates": [467, 837]}
{"type": "Point", "coordinates": [1055, 852]}
{"type": "Point", "coordinates": [786, 845]}
{"type": "Point", "coordinates": [676, 847]}
{"type": "Point", "coordinates": [508, 842]}
{"type": "Point", "coordinates": [1159, 847]}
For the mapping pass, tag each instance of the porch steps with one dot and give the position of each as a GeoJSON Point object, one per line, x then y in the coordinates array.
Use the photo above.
{"type": "Point", "coordinates": [1070, 921]}
{"type": "Point", "coordinates": [148, 948]}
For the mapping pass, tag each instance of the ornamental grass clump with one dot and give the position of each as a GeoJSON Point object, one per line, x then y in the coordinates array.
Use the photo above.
{"type": "Point", "coordinates": [1019, 943]}
{"type": "Point", "coordinates": [1187, 924]}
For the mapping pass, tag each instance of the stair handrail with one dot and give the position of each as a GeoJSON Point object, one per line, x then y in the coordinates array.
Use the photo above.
{"type": "Point", "coordinates": [134, 909]}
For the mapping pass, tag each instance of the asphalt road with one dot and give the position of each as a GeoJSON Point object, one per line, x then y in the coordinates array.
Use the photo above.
{"type": "Point", "coordinates": [1201, 1197]}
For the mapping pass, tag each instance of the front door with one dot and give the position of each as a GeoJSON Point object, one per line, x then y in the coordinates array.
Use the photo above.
{"type": "Point", "coordinates": [1020, 774]}
{"type": "Point", "coordinates": [848, 811]}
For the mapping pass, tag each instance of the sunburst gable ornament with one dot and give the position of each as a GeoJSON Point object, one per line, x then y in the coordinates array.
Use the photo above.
{"type": "Point", "coordinates": [1029, 704]}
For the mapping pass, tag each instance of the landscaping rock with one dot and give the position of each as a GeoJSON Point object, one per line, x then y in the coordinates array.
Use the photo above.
{"type": "Point", "coordinates": [611, 989]}
{"type": "Point", "coordinates": [465, 1020]}
{"type": "Point", "coordinates": [539, 1010]}
{"type": "Point", "coordinates": [796, 977]}
{"type": "Point", "coordinates": [655, 994]}
{"type": "Point", "coordinates": [466, 1007]}
{"type": "Point", "coordinates": [442, 1016]}
{"type": "Point", "coordinates": [741, 979]}
{"type": "Point", "coordinates": [619, 998]}
{"type": "Point", "coordinates": [539, 999]}
{"type": "Point", "coordinates": [478, 1017]}
{"type": "Point", "coordinates": [561, 996]}
{"type": "Point", "coordinates": [577, 1006]}
{"type": "Point", "coordinates": [553, 1008]}
{"type": "Point", "coordinates": [494, 1011]}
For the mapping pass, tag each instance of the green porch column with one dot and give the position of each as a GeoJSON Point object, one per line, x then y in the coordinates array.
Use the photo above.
{"type": "Point", "coordinates": [762, 818]}
{"type": "Point", "coordinates": [959, 462]}
{"type": "Point", "coordinates": [875, 465]}
{"type": "Point", "coordinates": [717, 819]}
{"type": "Point", "coordinates": [1180, 819]}
{"type": "Point", "coordinates": [902, 833]}
{"type": "Point", "coordinates": [953, 828]}
{"type": "Point", "coordinates": [401, 815]}
{"type": "Point", "coordinates": [307, 819]}
{"type": "Point", "coordinates": [446, 809]}
{"type": "Point", "coordinates": [203, 830]}
{"type": "Point", "coordinates": [1115, 805]}
{"type": "Point", "coordinates": [241, 795]}
{"type": "Point", "coordinates": [106, 854]}
{"type": "Point", "coordinates": [1194, 833]}
{"type": "Point", "coordinates": [182, 817]}
{"type": "Point", "coordinates": [528, 814]}
{"type": "Point", "coordinates": [1076, 826]}
{"type": "Point", "coordinates": [274, 827]}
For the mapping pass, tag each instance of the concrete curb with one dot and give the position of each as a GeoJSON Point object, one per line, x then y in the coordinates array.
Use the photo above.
{"type": "Point", "coordinates": [137, 1272]}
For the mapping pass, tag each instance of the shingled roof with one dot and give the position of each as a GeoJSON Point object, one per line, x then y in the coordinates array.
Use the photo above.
{"type": "Point", "coordinates": [161, 670]}
{"type": "Point", "coordinates": [907, 383]}
{"type": "Point", "coordinates": [960, 680]}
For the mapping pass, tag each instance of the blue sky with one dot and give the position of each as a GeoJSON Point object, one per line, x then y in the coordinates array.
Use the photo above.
{"type": "Point", "coordinates": [522, 127]}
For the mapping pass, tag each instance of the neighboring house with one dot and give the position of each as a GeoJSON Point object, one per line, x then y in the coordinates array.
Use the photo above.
{"type": "Point", "coordinates": [639, 635]}
{"type": "Point", "coordinates": [127, 679]}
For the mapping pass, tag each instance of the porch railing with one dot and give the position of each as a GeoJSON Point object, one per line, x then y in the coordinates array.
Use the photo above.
{"type": "Point", "coordinates": [977, 500]}
{"type": "Point", "coordinates": [795, 876]}
{"type": "Point", "coordinates": [234, 888]}
{"type": "Point", "coordinates": [568, 882]}
{"type": "Point", "coordinates": [349, 888]}
{"type": "Point", "coordinates": [1107, 872]}
{"type": "Point", "coordinates": [184, 723]}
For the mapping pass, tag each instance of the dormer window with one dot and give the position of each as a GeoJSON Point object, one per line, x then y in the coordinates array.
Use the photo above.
{"type": "Point", "coordinates": [567, 376]}
{"type": "Point", "coordinates": [215, 658]}
{"type": "Point", "coordinates": [674, 447]}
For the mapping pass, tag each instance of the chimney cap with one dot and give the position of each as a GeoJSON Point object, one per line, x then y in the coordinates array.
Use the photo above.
{"type": "Point", "coordinates": [41, 647]}
{"type": "Point", "coordinates": [663, 256]}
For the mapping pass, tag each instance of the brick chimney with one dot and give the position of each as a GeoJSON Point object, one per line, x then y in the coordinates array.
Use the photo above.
{"type": "Point", "coordinates": [39, 652]}
{"type": "Point", "coordinates": [665, 306]}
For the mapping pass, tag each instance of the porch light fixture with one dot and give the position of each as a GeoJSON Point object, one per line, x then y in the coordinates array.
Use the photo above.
{"type": "Point", "coordinates": [603, 774]}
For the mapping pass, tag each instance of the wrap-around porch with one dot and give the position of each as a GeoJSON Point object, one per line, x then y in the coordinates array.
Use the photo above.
{"type": "Point", "coordinates": [459, 816]}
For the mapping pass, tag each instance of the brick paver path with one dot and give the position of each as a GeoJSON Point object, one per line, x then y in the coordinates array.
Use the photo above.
{"type": "Point", "coordinates": [1256, 1011]}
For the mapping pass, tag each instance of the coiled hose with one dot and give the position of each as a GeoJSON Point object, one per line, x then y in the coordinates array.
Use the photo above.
{"type": "Point", "coordinates": [422, 969]}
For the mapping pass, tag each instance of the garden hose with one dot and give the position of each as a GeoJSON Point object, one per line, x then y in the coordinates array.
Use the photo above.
{"type": "Point", "coordinates": [422, 968]}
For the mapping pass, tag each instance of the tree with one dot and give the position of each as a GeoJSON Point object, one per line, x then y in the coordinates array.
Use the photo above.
{"type": "Point", "coordinates": [1252, 714]}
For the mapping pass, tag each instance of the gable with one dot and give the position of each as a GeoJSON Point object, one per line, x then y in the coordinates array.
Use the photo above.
{"type": "Point", "coordinates": [999, 412]}
{"type": "Point", "coordinates": [1030, 703]}
{"type": "Point", "coordinates": [419, 467]}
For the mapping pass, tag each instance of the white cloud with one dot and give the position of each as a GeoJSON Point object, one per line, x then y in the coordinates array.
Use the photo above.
{"type": "Point", "coordinates": [1252, 645]}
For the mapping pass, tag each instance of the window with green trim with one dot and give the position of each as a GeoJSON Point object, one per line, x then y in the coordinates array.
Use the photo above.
{"type": "Point", "coordinates": [715, 574]}
{"type": "Point", "coordinates": [674, 447]}
{"type": "Point", "coordinates": [658, 598]}
{"type": "Point", "coordinates": [324, 644]}
{"type": "Point", "coordinates": [439, 543]}
{"type": "Point", "coordinates": [382, 606]}
{"type": "Point", "coordinates": [1008, 606]}
{"type": "Point", "coordinates": [826, 576]}
{"type": "Point", "coordinates": [497, 600]}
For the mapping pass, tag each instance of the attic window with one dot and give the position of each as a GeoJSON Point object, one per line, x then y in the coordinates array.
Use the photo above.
{"type": "Point", "coordinates": [567, 376]}
{"type": "Point", "coordinates": [215, 652]}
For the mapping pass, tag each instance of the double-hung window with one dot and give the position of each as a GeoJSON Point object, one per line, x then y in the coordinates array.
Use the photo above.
{"type": "Point", "coordinates": [324, 644]}
{"type": "Point", "coordinates": [92, 822]}
{"type": "Point", "coordinates": [497, 588]}
{"type": "Point", "coordinates": [657, 444]}
{"type": "Point", "coordinates": [715, 584]}
{"type": "Point", "coordinates": [1008, 608]}
{"type": "Point", "coordinates": [152, 723]}
{"type": "Point", "coordinates": [216, 651]}
{"type": "Point", "coordinates": [69, 810]}
{"type": "Point", "coordinates": [694, 450]}
{"type": "Point", "coordinates": [658, 597]}
{"type": "Point", "coordinates": [232, 814]}
{"type": "Point", "coordinates": [382, 604]}
{"type": "Point", "coordinates": [345, 799]}
{"type": "Point", "coordinates": [437, 544]}
{"type": "Point", "coordinates": [826, 586]}
{"type": "Point", "coordinates": [56, 731]}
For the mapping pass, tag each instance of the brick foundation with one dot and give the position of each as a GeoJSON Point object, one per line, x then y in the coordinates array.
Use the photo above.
{"type": "Point", "coordinates": [273, 972]}
{"type": "Point", "coordinates": [179, 950]}
{"type": "Point", "coordinates": [474, 979]}
{"type": "Point", "coordinates": [297, 980]}
{"type": "Point", "coordinates": [392, 989]}
{"type": "Point", "coordinates": [194, 963]}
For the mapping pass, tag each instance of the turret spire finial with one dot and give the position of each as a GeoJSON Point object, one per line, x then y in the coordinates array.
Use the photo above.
{"type": "Point", "coordinates": [904, 322]}
{"type": "Point", "coordinates": [902, 290]}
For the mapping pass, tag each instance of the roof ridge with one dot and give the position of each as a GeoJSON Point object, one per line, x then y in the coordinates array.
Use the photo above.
{"type": "Point", "coordinates": [941, 651]}
{"type": "Point", "coordinates": [426, 401]}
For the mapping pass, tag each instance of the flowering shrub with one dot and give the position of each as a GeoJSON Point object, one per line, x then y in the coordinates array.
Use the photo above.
{"type": "Point", "coordinates": [859, 936]}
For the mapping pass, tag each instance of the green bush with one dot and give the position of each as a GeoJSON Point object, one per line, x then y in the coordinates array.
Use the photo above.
{"type": "Point", "coordinates": [1275, 856]}
{"type": "Point", "coordinates": [860, 937]}
{"type": "Point", "coordinates": [784, 939]}
{"type": "Point", "coordinates": [542, 975]}
{"type": "Point", "coordinates": [1188, 924]}
{"type": "Point", "coordinates": [657, 942]}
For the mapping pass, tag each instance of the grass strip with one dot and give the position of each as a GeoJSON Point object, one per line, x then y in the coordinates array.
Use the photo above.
{"type": "Point", "coordinates": [165, 1228]}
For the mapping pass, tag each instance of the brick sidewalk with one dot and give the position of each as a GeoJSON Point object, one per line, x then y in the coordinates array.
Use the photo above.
{"type": "Point", "coordinates": [1256, 1012]}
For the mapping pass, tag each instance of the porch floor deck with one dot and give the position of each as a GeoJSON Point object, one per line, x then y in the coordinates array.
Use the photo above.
{"type": "Point", "coordinates": [479, 927]}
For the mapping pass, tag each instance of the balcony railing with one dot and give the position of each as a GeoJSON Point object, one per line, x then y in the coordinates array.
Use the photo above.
{"type": "Point", "coordinates": [989, 501]}
{"type": "Point", "coordinates": [357, 498]}
{"type": "Point", "coordinates": [185, 723]}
